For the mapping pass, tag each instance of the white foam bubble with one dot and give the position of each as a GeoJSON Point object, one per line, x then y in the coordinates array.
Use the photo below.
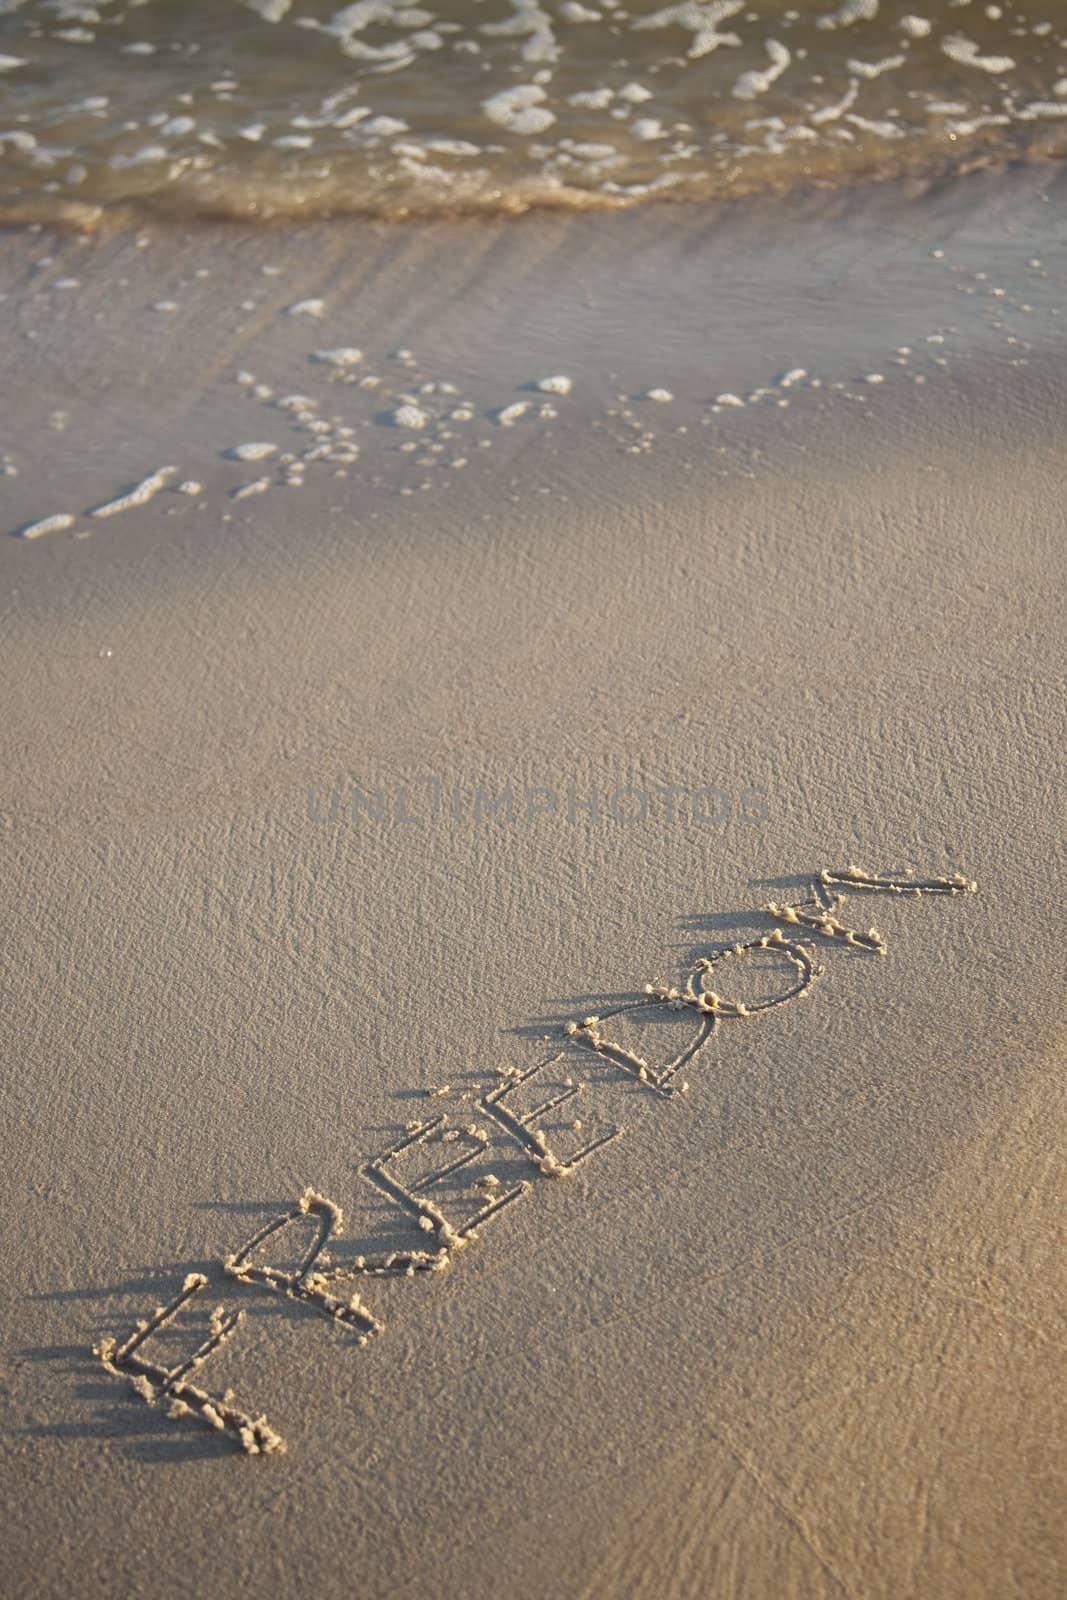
{"type": "Point", "coordinates": [343, 356]}
{"type": "Point", "coordinates": [55, 524]}
{"type": "Point", "coordinates": [751, 84]}
{"type": "Point", "coordinates": [349, 119]}
{"type": "Point", "coordinates": [532, 22]}
{"type": "Point", "coordinates": [307, 308]}
{"type": "Point", "coordinates": [592, 152]}
{"type": "Point", "coordinates": [883, 129]}
{"type": "Point", "coordinates": [958, 48]}
{"type": "Point", "coordinates": [849, 12]}
{"type": "Point", "coordinates": [701, 17]}
{"type": "Point", "coordinates": [592, 99]}
{"type": "Point", "coordinates": [832, 112]}
{"type": "Point", "coordinates": [148, 152]}
{"type": "Point", "coordinates": [269, 10]}
{"type": "Point", "coordinates": [519, 109]}
{"type": "Point", "coordinates": [251, 452]}
{"type": "Point", "coordinates": [557, 385]}
{"type": "Point", "coordinates": [383, 127]}
{"type": "Point", "coordinates": [1041, 108]}
{"type": "Point", "coordinates": [410, 416]}
{"type": "Point", "coordinates": [137, 496]}
{"type": "Point", "coordinates": [874, 69]}
{"type": "Point", "coordinates": [257, 486]}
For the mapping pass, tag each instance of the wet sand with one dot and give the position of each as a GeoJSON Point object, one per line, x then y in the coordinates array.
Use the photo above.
{"type": "Point", "coordinates": [798, 1331]}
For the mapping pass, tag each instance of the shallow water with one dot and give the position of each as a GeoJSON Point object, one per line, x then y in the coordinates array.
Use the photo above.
{"type": "Point", "coordinates": [276, 108]}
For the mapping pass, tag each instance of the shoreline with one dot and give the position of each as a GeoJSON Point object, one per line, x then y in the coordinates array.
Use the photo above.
{"type": "Point", "coordinates": [83, 220]}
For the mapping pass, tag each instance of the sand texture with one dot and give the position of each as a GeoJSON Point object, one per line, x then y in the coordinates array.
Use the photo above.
{"type": "Point", "coordinates": [304, 884]}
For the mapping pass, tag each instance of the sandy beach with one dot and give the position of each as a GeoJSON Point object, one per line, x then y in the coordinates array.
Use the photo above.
{"type": "Point", "coordinates": [335, 787]}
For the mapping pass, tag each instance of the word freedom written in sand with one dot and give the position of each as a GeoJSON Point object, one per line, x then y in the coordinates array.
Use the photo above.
{"type": "Point", "coordinates": [441, 1178]}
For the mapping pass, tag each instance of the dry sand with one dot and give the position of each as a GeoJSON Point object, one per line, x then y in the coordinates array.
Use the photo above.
{"type": "Point", "coordinates": [799, 1332]}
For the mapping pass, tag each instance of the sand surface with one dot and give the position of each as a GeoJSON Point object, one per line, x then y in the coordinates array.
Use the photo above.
{"type": "Point", "coordinates": [798, 1332]}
